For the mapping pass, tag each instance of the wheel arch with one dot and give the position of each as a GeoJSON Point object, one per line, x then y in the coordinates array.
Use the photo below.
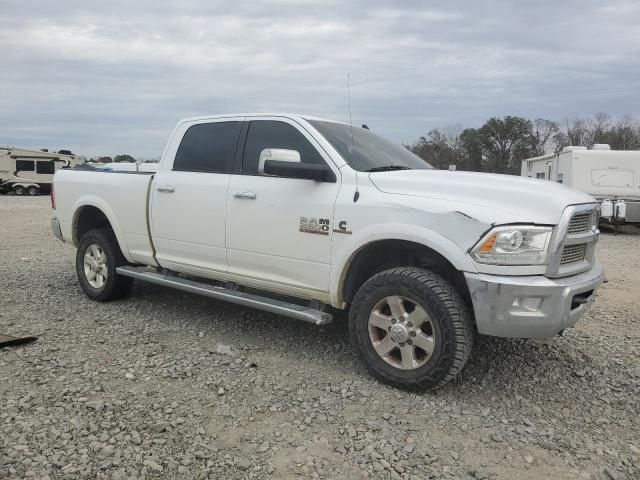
{"type": "Point", "coordinates": [90, 214]}
{"type": "Point", "coordinates": [370, 257]}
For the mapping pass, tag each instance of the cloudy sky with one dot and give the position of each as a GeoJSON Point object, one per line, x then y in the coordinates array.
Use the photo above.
{"type": "Point", "coordinates": [113, 77]}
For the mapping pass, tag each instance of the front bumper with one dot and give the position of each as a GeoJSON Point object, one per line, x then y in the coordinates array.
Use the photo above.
{"type": "Point", "coordinates": [531, 306]}
{"type": "Point", "coordinates": [55, 228]}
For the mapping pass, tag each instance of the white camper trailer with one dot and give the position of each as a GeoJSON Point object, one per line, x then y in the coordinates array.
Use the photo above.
{"type": "Point", "coordinates": [30, 172]}
{"type": "Point", "coordinates": [611, 176]}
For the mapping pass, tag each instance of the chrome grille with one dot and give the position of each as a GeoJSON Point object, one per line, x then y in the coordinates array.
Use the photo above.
{"type": "Point", "coordinates": [573, 253]}
{"type": "Point", "coordinates": [580, 223]}
{"type": "Point", "coordinates": [573, 248]}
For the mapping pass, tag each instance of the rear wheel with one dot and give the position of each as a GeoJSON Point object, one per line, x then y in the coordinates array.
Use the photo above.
{"type": "Point", "coordinates": [411, 328]}
{"type": "Point", "coordinates": [19, 190]}
{"type": "Point", "coordinates": [33, 190]}
{"type": "Point", "coordinates": [97, 258]}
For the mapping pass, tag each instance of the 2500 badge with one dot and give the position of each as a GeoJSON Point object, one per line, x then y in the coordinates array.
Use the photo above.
{"type": "Point", "coordinates": [321, 226]}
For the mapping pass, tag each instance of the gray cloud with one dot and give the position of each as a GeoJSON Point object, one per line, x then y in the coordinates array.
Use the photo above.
{"type": "Point", "coordinates": [114, 77]}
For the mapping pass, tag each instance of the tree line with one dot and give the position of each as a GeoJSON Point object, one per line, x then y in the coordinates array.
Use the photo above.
{"type": "Point", "coordinates": [501, 144]}
{"type": "Point", "coordinates": [120, 158]}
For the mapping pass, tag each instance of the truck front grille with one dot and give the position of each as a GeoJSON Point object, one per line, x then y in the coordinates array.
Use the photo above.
{"type": "Point", "coordinates": [574, 245]}
{"type": "Point", "coordinates": [580, 223]}
{"type": "Point", "coordinates": [573, 253]}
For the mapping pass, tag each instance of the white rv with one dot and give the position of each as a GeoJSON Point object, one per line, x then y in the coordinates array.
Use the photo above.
{"type": "Point", "coordinates": [611, 176]}
{"type": "Point", "coordinates": [30, 172]}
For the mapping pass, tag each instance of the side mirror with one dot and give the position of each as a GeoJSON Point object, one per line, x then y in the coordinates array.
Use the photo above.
{"type": "Point", "coordinates": [277, 154]}
{"type": "Point", "coordinates": [307, 171]}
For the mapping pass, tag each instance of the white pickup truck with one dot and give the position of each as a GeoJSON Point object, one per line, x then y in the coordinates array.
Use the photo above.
{"type": "Point", "coordinates": [307, 217]}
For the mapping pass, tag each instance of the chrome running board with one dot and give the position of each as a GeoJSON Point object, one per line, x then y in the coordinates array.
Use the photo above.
{"type": "Point", "coordinates": [279, 307]}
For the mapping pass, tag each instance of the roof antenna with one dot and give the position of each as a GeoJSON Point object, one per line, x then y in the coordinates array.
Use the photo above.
{"type": "Point", "coordinates": [356, 194]}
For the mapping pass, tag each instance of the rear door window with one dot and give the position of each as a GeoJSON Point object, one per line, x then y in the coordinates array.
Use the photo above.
{"type": "Point", "coordinates": [208, 147]}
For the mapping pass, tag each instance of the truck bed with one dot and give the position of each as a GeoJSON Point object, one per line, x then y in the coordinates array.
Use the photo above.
{"type": "Point", "coordinates": [123, 192]}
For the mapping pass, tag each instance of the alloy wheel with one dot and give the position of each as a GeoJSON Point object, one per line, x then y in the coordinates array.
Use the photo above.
{"type": "Point", "coordinates": [95, 266]}
{"type": "Point", "coordinates": [401, 332]}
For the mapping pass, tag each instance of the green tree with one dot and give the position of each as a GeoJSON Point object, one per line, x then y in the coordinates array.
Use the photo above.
{"type": "Point", "coordinates": [505, 142]}
{"type": "Point", "coordinates": [471, 150]}
{"type": "Point", "coordinates": [123, 158]}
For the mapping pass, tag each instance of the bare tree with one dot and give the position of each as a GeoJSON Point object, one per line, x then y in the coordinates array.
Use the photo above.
{"type": "Point", "coordinates": [576, 131]}
{"type": "Point", "coordinates": [625, 134]}
{"type": "Point", "coordinates": [600, 126]}
{"type": "Point", "coordinates": [542, 133]}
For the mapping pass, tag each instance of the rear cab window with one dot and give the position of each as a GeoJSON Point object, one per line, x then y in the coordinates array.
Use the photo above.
{"type": "Point", "coordinates": [208, 147]}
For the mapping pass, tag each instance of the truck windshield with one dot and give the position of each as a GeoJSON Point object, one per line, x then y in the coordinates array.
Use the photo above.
{"type": "Point", "coordinates": [366, 151]}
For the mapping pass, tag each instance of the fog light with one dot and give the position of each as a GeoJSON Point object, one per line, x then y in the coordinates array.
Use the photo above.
{"type": "Point", "coordinates": [531, 303]}
{"type": "Point", "coordinates": [527, 303]}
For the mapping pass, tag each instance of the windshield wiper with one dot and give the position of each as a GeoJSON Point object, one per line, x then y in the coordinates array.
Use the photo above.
{"type": "Point", "coordinates": [388, 168]}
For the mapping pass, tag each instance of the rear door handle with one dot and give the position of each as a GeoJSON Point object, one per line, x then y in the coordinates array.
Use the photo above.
{"type": "Point", "coordinates": [247, 195]}
{"type": "Point", "coordinates": [166, 188]}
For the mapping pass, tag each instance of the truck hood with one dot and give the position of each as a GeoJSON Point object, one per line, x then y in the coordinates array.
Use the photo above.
{"type": "Point", "coordinates": [494, 198]}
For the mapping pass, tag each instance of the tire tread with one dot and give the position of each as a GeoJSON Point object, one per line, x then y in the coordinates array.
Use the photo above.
{"type": "Point", "coordinates": [458, 321]}
{"type": "Point", "coordinates": [117, 286]}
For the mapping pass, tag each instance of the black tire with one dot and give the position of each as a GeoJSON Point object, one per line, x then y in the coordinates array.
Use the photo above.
{"type": "Point", "coordinates": [33, 191]}
{"type": "Point", "coordinates": [19, 190]}
{"type": "Point", "coordinates": [115, 286]}
{"type": "Point", "coordinates": [449, 320]}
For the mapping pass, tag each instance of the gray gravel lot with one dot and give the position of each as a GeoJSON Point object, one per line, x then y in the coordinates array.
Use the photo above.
{"type": "Point", "coordinates": [165, 384]}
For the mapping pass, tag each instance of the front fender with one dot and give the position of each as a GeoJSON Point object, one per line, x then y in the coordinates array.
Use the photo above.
{"type": "Point", "coordinates": [344, 255]}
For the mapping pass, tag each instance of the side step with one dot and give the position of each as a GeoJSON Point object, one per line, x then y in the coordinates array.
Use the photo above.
{"type": "Point", "coordinates": [279, 307]}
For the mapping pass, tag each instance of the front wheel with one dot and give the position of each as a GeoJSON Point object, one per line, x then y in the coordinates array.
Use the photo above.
{"type": "Point", "coordinates": [411, 328]}
{"type": "Point", "coordinates": [97, 258]}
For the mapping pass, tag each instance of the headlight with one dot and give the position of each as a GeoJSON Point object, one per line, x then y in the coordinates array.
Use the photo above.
{"type": "Point", "coordinates": [514, 245]}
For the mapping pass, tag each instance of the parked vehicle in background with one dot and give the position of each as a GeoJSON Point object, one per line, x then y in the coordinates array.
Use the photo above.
{"type": "Point", "coordinates": [30, 172]}
{"type": "Point", "coordinates": [611, 176]}
{"type": "Point", "coordinates": [127, 166]}
{"type": "Point", "coordinates": [302, 216]}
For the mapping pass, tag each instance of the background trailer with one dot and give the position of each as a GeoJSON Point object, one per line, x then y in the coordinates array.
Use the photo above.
{"type": "Point", "coordinates": [611, 176]}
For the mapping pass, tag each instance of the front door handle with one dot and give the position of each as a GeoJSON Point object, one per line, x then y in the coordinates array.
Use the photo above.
{"type": "Point", "coordinates": [247, 195]}
{"type": "Point", "coordinates": [166, 188]}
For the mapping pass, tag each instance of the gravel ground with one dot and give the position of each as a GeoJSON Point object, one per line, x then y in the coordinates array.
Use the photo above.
{"type": "Point", "coordinates": [165, 384]}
